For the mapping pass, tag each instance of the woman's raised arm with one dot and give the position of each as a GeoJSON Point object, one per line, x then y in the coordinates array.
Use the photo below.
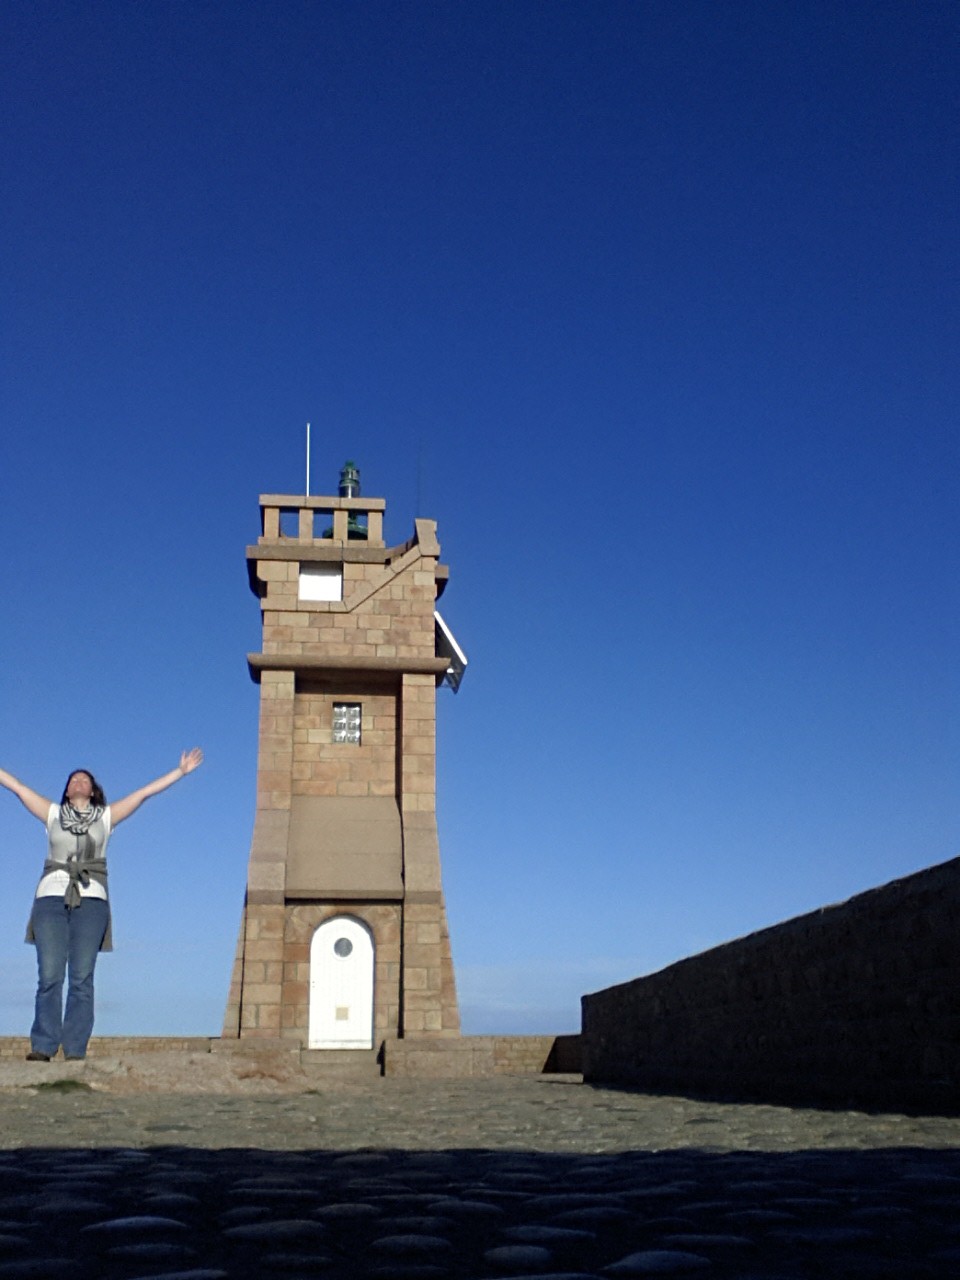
{"type": "Point", "coordinates": [189, 761]}
{"type": "Point", "coordinates": [37, 804]}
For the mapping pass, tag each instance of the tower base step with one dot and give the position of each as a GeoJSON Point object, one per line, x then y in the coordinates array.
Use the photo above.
{"type": "Point", "coordinates": [340, 1066]}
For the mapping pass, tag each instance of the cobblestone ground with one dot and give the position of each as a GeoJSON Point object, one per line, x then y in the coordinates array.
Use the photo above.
{"type": "Point", "coordinates": [491, 1178]}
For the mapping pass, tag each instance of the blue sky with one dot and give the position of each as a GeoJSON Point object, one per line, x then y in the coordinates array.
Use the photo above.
{"type": "Point", "coordinates": [653, 306]}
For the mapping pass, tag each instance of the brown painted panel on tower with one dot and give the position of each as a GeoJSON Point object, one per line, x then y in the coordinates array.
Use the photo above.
{"type": "Point", "coordinates": [340, 843]}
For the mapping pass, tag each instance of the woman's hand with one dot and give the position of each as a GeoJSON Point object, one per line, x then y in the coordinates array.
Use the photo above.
{"type": "Point", "coordinates": [191, 760]}
{"type": "Point", "coordinates": [122, 809]}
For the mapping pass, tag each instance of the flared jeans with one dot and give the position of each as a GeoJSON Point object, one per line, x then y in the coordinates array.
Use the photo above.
{"type": "Point", "coordinates": [67, 940]}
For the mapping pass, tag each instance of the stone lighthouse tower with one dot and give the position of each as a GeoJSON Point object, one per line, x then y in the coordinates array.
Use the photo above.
{"type": "Point", "coordinates": [344, 940]}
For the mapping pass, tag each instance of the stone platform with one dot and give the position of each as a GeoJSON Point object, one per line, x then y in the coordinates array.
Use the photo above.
{"type": "Point", "coordinates": [220, 1175]}
{"type": "Point", "coordinates": [453, 1057]}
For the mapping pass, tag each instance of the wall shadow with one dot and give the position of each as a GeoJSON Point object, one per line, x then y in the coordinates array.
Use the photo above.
{"type": "Point", "coordinates": [809, 1099]}
{"type": "Point", "coordinates": [201, 1214]}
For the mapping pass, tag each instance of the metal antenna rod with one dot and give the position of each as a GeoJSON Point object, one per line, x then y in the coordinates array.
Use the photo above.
{"type": "Point", "coordinates": [307, 491]}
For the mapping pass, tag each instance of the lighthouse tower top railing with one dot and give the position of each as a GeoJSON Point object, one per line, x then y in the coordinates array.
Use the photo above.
{"type": "Point", "coordinates": [349, 518]}
{"type": "Point", "coordinates": [366, 513]}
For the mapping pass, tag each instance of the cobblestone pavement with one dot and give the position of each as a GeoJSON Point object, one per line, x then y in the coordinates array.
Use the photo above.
{"type": "Point", "coordinates": [467, 1179]}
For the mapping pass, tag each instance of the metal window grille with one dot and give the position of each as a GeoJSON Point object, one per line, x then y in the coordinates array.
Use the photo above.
{"type": "Point", "coordinates": [346, 722]}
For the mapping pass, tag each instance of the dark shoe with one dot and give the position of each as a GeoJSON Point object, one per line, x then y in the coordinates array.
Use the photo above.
{"type": "Point", "coordinates": [74, 1057]}
{"type": "Point", "coordinates": [36, 1056]}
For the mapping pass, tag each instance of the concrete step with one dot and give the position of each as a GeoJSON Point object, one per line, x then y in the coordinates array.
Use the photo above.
{"type": "Point", "coordinates": [343, 1065]}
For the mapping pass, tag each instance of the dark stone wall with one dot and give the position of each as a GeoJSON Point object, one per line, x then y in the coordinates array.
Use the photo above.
{"type": "Point", "coordinates": [854, 1005]}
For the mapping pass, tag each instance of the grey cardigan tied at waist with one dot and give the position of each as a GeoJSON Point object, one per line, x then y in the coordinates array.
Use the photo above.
{"type": "Point", "coordinates": [80, 873]}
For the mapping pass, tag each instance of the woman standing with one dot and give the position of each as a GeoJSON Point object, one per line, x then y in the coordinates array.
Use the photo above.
{"type": "Point", "coordinates": [70, 920]}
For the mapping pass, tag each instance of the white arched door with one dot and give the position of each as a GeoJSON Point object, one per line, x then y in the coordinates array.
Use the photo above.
{"type": "Point", "coordinates": [341, 986]}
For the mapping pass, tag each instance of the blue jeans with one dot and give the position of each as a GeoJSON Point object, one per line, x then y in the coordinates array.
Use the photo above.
{"type": "Point", "coordinates": [67, 941]}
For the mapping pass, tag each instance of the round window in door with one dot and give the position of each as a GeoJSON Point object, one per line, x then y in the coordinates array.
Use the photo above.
{"type": "Point", "coordinates": [341, 985]}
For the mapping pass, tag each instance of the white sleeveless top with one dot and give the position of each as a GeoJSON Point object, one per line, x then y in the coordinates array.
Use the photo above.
{"type": "Point", "coordinates": [61, 844]}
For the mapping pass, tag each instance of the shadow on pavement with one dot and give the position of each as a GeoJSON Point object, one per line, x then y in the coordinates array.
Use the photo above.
{"type": "Point", "coordinates": [197, 1214]}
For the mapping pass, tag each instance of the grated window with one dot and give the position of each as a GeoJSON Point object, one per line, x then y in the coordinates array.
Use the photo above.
{"type": "Point", "coordinates": [346, 722]}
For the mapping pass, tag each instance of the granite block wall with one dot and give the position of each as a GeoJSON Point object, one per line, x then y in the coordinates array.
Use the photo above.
{"type": "Point", "coordinates": [473, 1056]}
{"type": "Point", "coordinates": [856, 1004]}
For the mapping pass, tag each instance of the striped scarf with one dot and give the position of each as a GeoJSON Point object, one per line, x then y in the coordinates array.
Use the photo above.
{"type": "Point", "coordinates": [79, 821]}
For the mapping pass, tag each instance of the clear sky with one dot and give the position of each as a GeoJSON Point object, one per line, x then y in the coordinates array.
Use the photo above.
{"type": "Point", "coordinates": [653, 306]}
